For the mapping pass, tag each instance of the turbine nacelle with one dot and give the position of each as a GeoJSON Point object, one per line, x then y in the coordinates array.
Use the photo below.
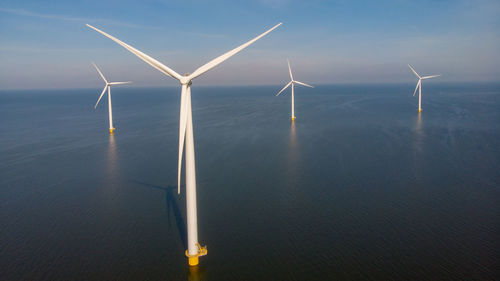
{"type": "Point", "coordinates": [186, 80]}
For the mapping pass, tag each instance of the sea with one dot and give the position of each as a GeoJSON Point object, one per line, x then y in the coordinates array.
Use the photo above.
{"type": "Point", "coordinates": [359, 187]}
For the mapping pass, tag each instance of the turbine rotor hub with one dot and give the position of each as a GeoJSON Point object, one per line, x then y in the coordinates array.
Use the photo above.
{"type": "Point", "coordinates": [185, 80]}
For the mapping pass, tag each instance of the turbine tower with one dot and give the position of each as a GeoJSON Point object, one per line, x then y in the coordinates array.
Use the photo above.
{"type": "Point", "coordinates": [419, 87]}
{"type": "Point", "coordinates": [108, 86]}
{"type": "Point", "coordinates": [292, 82]}
{"type": "Point", "coordinates": [186, 137]}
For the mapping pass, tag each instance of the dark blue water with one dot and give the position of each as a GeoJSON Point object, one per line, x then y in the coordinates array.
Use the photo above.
{"type": "Point", "coordinates": [360, 187]}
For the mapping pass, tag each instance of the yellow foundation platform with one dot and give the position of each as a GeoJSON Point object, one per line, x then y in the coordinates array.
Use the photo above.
{"type": "Point", "coordinates": [420, 110]}
{"type": "Point", "coordinates": [293, 118]}
{"type": "Point", "coordinates": [112, 130]}
{"type": "Point", "coordinates": [194, 259]}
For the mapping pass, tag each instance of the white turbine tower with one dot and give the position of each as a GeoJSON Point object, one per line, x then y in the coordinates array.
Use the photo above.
{"type": "Point", "coordinates": [292, 82]}
{"type": "Point", "coordinates": [194, 250]}
{"type": "Point", "coordinates": [419, 87]}
{"type": "Point", "coordinates": [108, 87]}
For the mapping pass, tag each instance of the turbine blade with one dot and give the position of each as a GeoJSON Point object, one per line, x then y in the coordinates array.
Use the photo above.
{"type": "Point", "coordinates": [120, 83]}
{"type": "Point", "coordinates": [414, 71]}
{"type": "Point", "coordinates": [213, 63]}
{"type": "Point", "coordinates": [100, 73]}
{"type": "Point", "coordinates": [303, 84]}
{"type": "Point", "coordinates": [182, 133]}
{"type": "Point", "coordinates": [416, 88]}
{"type": "Point", "coordinates": [102, 94]}
{"type": "Point", "coordinates": [151, 61]}
{"type": "Point", "coordinates": [289, 69]}
{"type": "Point", "coordinates": [286, 86]}
{"type": "Point", "coordinates": [431, 76]}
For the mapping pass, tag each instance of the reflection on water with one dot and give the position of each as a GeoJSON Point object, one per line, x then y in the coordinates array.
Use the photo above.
{"type": "Point", "coordinates": [418, 126]}
{"type": "Point", "coordinates": [111, 179]}
{"type": "Point", "coordinates": [419, 134]}
{"type": "Point", "coordinates": [293, 136]}
{"type": "Point", "coordinates": [112, 156]}
{"type": "Point", "coordinates": [293, 153]}
{"type": "Point", "coordinates": [112, 165]}
{"type": "Point", "coordinates": [418, 150]}
{"type": "Point", "coordinates": [196, 273]}
{"type": "Point", "coordinates": [292, 164]}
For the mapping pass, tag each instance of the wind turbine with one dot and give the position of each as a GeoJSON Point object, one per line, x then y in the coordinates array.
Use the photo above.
{"type": "Point", "coordinates": [292, 82]}
{"type": "Point", "coordinates": [186, 138]}
{"type": "Point", "coordinates": [108, 87]}
{"type": "Point", "coordinates": [419, 87]}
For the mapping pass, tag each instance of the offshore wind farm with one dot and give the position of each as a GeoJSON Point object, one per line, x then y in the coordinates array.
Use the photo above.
{"type": "Point", "coordinates": [360, 186]}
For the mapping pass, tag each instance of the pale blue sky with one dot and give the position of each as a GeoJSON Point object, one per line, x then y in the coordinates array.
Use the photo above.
{"type": "Point", "coordinates": [45, 44]}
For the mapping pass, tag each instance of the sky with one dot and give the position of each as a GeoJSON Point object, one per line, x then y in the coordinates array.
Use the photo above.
{"type": "Point", "coordinates": [45, 44]}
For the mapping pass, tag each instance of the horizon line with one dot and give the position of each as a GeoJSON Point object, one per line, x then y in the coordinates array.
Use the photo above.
{"type": "Point", "coordinates": [253, 85]}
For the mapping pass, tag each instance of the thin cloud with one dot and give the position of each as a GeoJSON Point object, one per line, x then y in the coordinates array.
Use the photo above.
{"type": "Point", "coordinates": [26, 13]}
{"type": "Point", "coordinates": [275, 3]}
{"type": "Point", "coordinates": [21, 49]}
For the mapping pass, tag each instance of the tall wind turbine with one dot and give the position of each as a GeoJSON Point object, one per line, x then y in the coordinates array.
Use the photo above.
{"type": "Point", "coordinates": [292, 82]}
{"type": "Point", "coordinates": [194, 250]}
{"type": "Point", "coordinates": [108, 87]}
{"type": "Point", "coordinates": [419, 87]}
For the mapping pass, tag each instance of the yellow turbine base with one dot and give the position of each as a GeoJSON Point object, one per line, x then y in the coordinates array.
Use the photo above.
{"type": "Point", "coordinates": [419, 110]}
{"type": "Point", "coordinates": [293, 118]}
{"type": "Point", "coordinates": [194, 259]}
{"type": "Point", "coordinates": [112, 130]}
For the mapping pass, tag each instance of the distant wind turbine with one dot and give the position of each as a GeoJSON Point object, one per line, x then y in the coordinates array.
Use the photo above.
{"type": "Point", "coordinates": [419, 87]}
{"type": "Point", "coordinates": [194, 250]}
{"type": "Point", "coordinates": [108, 86]}
{"type": "Point", "coordinates": [292, 82]}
